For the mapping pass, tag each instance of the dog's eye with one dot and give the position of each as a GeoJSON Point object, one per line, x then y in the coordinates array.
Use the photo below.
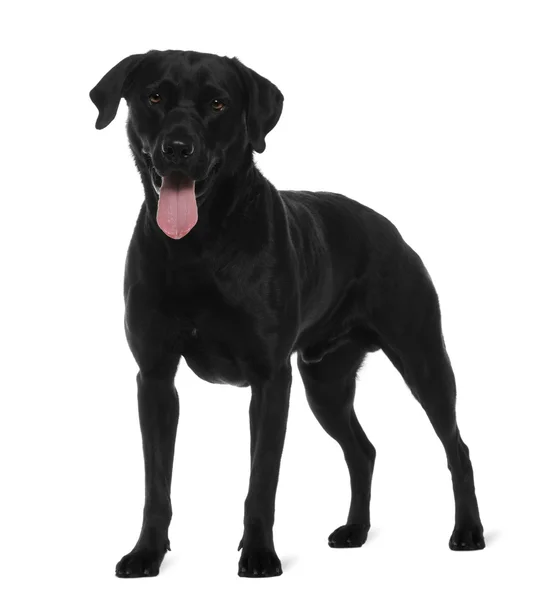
{"type": "Point", "coordinates": [217, 105]}
{"type": "Point", "coordinates": [154, 98]}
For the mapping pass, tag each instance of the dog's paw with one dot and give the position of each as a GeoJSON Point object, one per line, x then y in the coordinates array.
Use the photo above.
{"type": "Point", "coordinates": [143, 562]}
{"type": "Point", "coordinates": [467, 538]}
{"type": "Point", "coordinates": [259, 562]}
{"type": "Point", "coordinates": [349, 536]}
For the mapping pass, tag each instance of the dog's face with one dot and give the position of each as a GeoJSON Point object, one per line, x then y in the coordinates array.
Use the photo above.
{"type": "Point", "coordinates": [192, 117]}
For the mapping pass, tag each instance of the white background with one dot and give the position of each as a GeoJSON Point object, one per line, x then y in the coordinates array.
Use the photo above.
{"type": "Point", "coordinates": [436, 114]}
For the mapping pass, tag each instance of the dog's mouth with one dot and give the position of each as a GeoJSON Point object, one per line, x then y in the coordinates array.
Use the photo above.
{"type": "Point", "coordinates": [177, 208]}
{"type": "Point", "coordinates": [157, 179]}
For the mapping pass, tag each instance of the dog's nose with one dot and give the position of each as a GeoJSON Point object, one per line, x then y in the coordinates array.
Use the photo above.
{"type": "Point", "coordinates": [177, 150]}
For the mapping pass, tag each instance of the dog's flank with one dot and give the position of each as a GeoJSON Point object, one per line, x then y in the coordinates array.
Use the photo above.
{"type": "Point", "coordinates": [236, 277]}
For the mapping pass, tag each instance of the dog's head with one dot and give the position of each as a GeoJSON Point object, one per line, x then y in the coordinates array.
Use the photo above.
{"type": "Point", "coordinates": [192, 117]}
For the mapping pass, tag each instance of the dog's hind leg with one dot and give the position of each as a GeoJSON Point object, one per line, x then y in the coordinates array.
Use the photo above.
{"type": "Point", "coordinates": [330, 388]}
{"type": "Point", "coordinates": [412, 340]}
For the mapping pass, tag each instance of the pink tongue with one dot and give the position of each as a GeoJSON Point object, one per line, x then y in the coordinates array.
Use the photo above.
{"type": "Point", "coordinates": [177, 211]}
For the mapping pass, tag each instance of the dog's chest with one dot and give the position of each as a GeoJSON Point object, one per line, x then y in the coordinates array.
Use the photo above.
{"type": "Point", "coordinates": [214, 333]}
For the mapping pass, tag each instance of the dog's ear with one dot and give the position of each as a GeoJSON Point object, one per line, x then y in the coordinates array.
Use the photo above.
{"type": "Point", "coordinates": [111, 88]}
{"type": "Point", "coordinates": [264, 105]}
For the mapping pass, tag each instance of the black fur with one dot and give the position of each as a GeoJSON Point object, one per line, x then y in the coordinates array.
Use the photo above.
{"type": "Point", "coordinates": [265, 274]}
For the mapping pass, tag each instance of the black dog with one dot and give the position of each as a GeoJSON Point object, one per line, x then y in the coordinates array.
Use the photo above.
{"type": "Point", "coordinates": [235, 276]}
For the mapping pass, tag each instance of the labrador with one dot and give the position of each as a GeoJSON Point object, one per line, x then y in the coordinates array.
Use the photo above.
{"type": "Point", "coordinates": [235, 277]}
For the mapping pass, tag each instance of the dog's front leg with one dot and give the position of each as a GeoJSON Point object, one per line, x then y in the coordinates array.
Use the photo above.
{"type": "Point", "coordinates": [268, 416]}
{"type": "Point", "coordinates": [158, 408]}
